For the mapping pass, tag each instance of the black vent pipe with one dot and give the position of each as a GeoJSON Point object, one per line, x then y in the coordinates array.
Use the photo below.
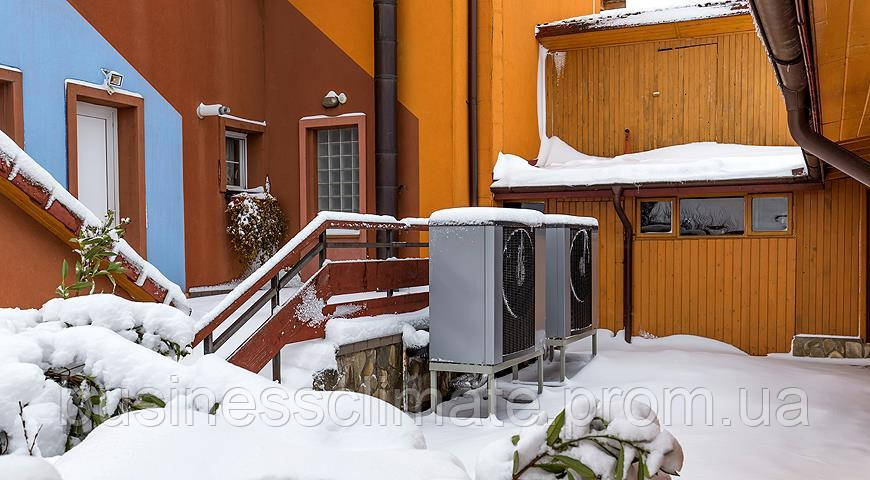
{"type": "Point", "coordinates": [472, 103]}
{"type": "Point", "coordinates": [386, 141]}
{"type": "Point", "coordinates": [778, 25]}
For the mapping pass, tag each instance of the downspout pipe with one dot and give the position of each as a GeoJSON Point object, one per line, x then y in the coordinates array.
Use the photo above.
{"type": "Point", "coordinates": [472, 104]}
{"type": "Point", "coordinates": [778, 25]}
{"type": "Point", "coordinates": [386, 138]}
{"type": "Point", "coordinates": [627, 249]}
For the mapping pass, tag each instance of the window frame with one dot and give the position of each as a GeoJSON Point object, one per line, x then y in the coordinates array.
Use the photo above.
{"type": "Point", "coordinates": [242, 137]}
{"type": "Point", "coordinates": [674, 217]}
{"type": "Point", "coordinates": [12, 103]}
{"type": "Point", "coordinates": [308, 127]}
{"type": "Point", "coordinates": [789, 227]}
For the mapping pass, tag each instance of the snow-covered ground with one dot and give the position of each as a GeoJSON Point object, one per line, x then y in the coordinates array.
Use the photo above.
{"type": "Point", "coordinates": [834, 439]}
{"type": "Point", "coordinates": [834, 442]}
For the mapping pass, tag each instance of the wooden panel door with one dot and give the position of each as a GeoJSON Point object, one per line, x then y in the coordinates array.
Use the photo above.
{"type": "Point", "coordinates": [684, 95]}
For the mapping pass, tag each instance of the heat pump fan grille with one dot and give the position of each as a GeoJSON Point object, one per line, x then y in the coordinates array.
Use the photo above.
{"type": "Point", "coordinates": [518, 283]}
{"type": "Point", "coordinates": [581, 279]}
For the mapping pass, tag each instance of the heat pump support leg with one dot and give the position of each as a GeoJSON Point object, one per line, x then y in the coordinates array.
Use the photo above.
{"type": "Point", "coordinates": [515, 373]}
{"type": "Point", "coordinates": [562, 364]}
{"type": "Point", "coordinates": [433, 390]}
{"type": "Point", "coordinates": [491, 402]}
{"type": "Point", "coordinates": [541, 373]}
{"type": "Point", "coordinates": [594, 344]}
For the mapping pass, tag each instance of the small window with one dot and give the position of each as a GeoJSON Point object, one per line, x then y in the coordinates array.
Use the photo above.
{"type": "Point", "coordinates": [237, 160]}
{"type": "Point", "coordinates": [711, 216]}
{"type": "Point", "coordinates": [656, 216]}
{"type": "Point", "coordinates": [770, 214]}
{"type": "Point", "coordinates": [338, 169]}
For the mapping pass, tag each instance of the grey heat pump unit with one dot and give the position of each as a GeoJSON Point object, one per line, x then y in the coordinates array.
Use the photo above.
{"type": "Point", "coordinates": [572, 282]}
{"type": "Point", "coordinates": [487, 290]}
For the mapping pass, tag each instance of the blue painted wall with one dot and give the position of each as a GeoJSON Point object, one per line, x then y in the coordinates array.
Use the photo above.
{"type": "Point", "coordinates": [50, 42]}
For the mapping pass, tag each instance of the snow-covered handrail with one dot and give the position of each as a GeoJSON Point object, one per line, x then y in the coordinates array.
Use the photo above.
{"type": "Point", "coordinates": [25, 175]}
{"type": "Point", "coordinates": [286, 257]}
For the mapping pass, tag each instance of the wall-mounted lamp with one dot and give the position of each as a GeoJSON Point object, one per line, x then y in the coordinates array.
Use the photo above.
{"type": "Point", "coordinates": [113, 80]}
{"type": "Point", "coordinates": [211, 110]}
{"type": "Point", "coordinates": [332, 99]}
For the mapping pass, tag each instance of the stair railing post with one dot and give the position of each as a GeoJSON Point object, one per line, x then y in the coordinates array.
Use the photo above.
{"type": "Point", "coordinates": [322, 257]}
{"type": "Point", "coordinates": [276, 300]}
{"type": "Point", "coordinates": [207, 344]}
{"type": "Point", "coordinates": [391, 250]}
{"type": "Point", "coordinates": [276, 367]}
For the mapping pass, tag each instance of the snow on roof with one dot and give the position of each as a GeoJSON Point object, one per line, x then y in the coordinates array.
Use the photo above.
{"type": "Point", "coordinates": [562, 166]}
{"type": "Point", "coordinates": [486, 216]}
{"type": "Point", "coordinates": [670, 11]}
{"type": "Point", "coordinates": [22, 164]}
{"type": "Point", "coordinates": [553, 219]}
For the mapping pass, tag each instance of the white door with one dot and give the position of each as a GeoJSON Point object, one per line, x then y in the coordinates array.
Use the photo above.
{"type": "Point", "coordinates": [97, 129]}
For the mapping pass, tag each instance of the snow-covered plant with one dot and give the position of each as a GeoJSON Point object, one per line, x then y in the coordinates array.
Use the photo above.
{"type": "Point", "coordinates": [95, 250]}
{"type": "Point", "coordinates": [256, 226]}
{"type": "Point", "coordinates": [596, 445]}
{"type": "Point", "coordinates": [73, 364]}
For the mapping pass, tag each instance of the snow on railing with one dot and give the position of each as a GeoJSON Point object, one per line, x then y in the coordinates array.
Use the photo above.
{"type": "Point", "coordinates": [280, 259]}
{"type": "Point", "coordinates": [19, 163]}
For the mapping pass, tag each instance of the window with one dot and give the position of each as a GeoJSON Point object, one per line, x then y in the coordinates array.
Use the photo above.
{"type": "Point", "coordinates": [237, 160]}
{"type": "Point", "coordinates": [656, 216]}
{"type": "Point", "coordinates": [770, 214]}
{"type": "Point", "coordinates": [712, 216]}
{"type": "Point", "coordinates": [338, 169]}
{"type": "Point", "coordinates": [11, 114]}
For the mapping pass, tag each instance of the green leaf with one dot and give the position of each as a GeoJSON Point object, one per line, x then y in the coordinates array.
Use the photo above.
{"type": "Point", "coordinates": [153, 399]}
{"type": "Point", "coordinates": [64, 269]}
{"type": "Point", "coordinates": [576, 465]}
{"type": "Point", "coordinates": [556, 468]}
{"type": "Point", "coordinates": [214, 408]}
{"type": "Point", "coordinates": [641, 468]}
{"type": "Point", "coordinates": [516, 462]}
{"type": "Point", "coordinates": [620, 463]}
{"type": "Point", "coordinates": [515, 439]}
{"type": "Point", "coordinates": [555, 428]}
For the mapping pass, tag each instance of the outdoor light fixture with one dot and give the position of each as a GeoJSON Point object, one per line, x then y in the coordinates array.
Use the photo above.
{"type": "Point", "coordinates": [113, 79]}
{"type": "Point", "coordinates": [332, 99]}
{"type": "Point", "coordinates": [211, 110]}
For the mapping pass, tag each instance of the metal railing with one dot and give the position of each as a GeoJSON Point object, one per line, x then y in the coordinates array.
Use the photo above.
{"type": "Point", "coordinates": [285, 270]}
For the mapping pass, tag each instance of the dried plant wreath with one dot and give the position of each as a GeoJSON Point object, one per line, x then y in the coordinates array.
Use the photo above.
{"type": "Point", "coordinates": [256, 227]}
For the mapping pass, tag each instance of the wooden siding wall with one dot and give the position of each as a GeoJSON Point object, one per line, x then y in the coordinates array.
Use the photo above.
{"type": "Point", "coordinates": [718, 88]}
{"type": "Point", "coordinates": [831, 259]}
{"type": "Point", "coordinates": [754, 292]}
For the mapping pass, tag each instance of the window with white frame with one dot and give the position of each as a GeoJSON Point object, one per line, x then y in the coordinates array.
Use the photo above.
{"type": "Point", "coordinates": [237, 160]}
{"type": "Point", "coordinates": [338, 169]}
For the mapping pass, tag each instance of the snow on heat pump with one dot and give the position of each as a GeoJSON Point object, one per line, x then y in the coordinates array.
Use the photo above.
{"type": "Point", "coordinates": [572, 275]}
{"type": "Point", "coordinates": [487, 284]}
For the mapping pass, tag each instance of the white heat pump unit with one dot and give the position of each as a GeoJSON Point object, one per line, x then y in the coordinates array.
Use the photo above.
{"type": "Point", "coordinates": [572, 280]}
{"type": "Point", "coordinates": [486, 284]}
{"type": "Point", "coordinates": [487, 290]}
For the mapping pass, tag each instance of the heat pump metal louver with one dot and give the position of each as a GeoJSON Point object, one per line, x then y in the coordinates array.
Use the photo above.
{"type": "Point", "coordinates": [572, 280]}
{"type": "Point", "coordinates": [518, 289]}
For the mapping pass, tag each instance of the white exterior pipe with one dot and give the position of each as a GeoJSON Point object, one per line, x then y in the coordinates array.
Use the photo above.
{"type": "Point", "coordinates": [212, 110]}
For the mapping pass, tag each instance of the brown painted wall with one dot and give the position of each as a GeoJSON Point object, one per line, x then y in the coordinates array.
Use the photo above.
{"type": "Point", "coordinates": [266, 61]}
{"type": "Point", "coordinates": [31, 258]}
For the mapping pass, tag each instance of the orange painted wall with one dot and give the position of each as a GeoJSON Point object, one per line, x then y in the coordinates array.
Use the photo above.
{"type": "Point", "coordinates": [432, 80]}
{"type": "Point", "coordinates": [508, 77]}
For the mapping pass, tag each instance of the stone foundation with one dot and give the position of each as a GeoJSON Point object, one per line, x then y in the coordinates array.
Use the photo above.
{"type": "Point", "coordinates": [382, 368]}
{"type": "Point", "coordinates": [829, 347]}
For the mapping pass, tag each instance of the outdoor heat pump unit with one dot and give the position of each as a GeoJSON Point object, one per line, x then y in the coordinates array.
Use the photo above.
{"type": "Point", "coordinates": [572, 280]}
{"type": "Point", "coordinates": [487, 290]}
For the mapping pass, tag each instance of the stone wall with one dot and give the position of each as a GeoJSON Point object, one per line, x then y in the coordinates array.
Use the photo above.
{"type": "Point", "coordinates": [382, 368]}
{"type": "Point", "coordinates": [829, 347]}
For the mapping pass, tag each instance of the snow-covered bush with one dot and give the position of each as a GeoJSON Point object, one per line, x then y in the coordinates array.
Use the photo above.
{"type": "Point", "coordinates": [256, 226]}
{"type": "Point", "coordinates": [54, 361]}
{"type": "Point", "coordinates": [95, 251]}
{"type": "Point", "coordinates": [587, 441]}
